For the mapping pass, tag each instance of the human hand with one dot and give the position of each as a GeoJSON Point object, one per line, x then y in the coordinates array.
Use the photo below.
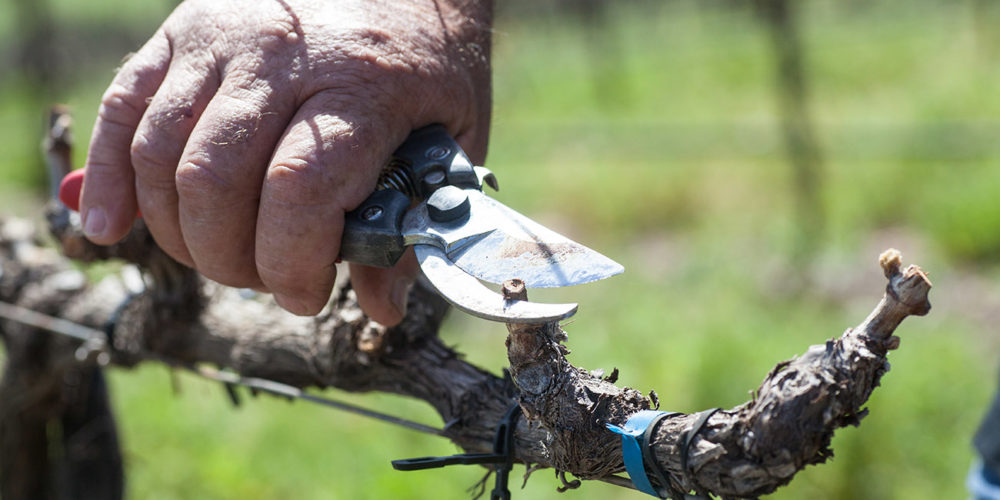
{"type": "Point", "coordinates": [244, 129]}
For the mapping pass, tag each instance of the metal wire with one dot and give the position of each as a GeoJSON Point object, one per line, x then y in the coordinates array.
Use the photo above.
{"type": "Point", "coordinates": [85, 333]}
{"type": "Point", "coordinates": [45, 322]}
{"type": "Point", "coordinates": [288, 391]}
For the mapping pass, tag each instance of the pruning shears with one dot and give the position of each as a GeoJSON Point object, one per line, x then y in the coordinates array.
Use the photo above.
{"type": "Point", "coordinates": [430, 196]}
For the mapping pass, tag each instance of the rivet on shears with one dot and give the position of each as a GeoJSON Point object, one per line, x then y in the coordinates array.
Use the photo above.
{"type": "Point", "coordinates": [437, 153]}
{"type": "Point", "coordinates": [372, 213]}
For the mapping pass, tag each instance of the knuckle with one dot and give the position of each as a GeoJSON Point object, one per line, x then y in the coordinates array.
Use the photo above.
{"type": "Point", "coordinates": [298, 181]}
{"type": "Point", "coordinates": [147, 157]}
{"type": "Point", "coordinates": [119, 107]}
{"type": "Point", "coordinates": [171, 113]}
{"type": "Point", "coordinates": [194, 178]}
{"type": "Point", "coordinates": [367, 61]}
{"type": "Point", "coordinates": [389, 50]}
{"type": "Point", "coordinates": [239, 117]}
{"type": "Point", "coordinates": [392, 75]}
{"type": "Point", "coordinates": [336, 163]}
{"type": "Point", "coordinates": [360, 126]}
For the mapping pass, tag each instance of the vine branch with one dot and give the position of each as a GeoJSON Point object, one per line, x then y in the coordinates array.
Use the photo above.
{"type": "Point", "coordinates": [741, 452]}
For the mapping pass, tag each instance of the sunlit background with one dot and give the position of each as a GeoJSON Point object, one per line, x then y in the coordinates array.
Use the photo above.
{"type": "Point", "coordinates": [746, 162]}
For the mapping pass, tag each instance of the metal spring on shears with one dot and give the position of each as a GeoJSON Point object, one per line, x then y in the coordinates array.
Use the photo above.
{"type": "Point", "coordinates": [396, 176]}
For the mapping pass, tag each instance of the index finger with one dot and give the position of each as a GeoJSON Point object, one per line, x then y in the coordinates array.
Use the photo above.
{"type": "Point", "coordinates": [107, 201]}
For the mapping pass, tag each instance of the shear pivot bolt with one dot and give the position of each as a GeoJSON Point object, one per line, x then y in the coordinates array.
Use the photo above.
{"type": "Point", "coordinates": [434, 178]}
{"type": "Point", "coordinates": [448, 203]}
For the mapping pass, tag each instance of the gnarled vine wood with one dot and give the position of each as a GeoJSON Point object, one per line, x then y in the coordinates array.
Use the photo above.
{"type": "Point", "coordinates": [179, 318]}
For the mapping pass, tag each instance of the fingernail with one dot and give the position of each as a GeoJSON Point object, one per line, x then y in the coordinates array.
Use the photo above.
{"type": "Point", "coordinates": [95, 222]}
{"type": "Point", "coordinates": [400, 292]}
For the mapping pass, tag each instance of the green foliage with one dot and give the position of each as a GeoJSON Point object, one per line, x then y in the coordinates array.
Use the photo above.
{"type": "Point", "coordinates": [654, 139]}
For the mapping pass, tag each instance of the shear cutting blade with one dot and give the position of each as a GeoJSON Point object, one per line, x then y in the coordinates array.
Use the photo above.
{"type": "Point", "coordinates": [469, 295]}
{"type": "Point", "coordinates": [519, 247]}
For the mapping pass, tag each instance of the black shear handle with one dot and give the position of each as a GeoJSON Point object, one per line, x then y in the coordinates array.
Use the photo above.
{"type": "Point", "coordinates": [428, 159]}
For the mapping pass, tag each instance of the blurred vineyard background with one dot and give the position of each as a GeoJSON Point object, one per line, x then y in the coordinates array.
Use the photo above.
{"type": "Point", "coordinates": [747, 162]}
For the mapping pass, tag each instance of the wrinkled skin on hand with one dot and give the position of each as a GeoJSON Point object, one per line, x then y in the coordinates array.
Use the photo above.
{"type": "Point", "coordinates": [244, 129]}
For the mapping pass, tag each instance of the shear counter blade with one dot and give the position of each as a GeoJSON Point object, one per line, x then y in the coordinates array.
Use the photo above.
{"type": "Point", "coordinates": [520, 247]}
{"type": "Point", "coordinates": [468, 294]}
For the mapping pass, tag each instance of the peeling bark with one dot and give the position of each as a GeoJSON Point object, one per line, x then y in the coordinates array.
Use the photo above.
{"type": "Point", "coordinates": [746, 451]}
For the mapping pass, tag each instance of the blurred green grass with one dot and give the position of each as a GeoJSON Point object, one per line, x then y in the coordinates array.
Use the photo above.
{"type": "Point", "coordinates": [654, 139]}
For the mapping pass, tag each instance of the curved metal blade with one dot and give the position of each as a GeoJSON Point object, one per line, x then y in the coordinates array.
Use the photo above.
{"type": "Point", "coordinates": [497, 243]}
{"type": "Point", "coordinates": [468, 294]}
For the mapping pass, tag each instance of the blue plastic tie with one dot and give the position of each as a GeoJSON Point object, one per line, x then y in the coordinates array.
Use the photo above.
{"type": "Point", "coordinates": [632, 446]}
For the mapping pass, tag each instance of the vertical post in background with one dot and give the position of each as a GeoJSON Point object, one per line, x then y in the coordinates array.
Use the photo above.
{"type": "Point", "coordinates": [36, 55]}
{"type": "Point", "coordinates": [802, 148]}
{"type": "Point", "coordinates": [603, 42]}
{"type": "Point", "coordinates": [985, 19]}
{"type": "Point", "coordinates": [36, 68]}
